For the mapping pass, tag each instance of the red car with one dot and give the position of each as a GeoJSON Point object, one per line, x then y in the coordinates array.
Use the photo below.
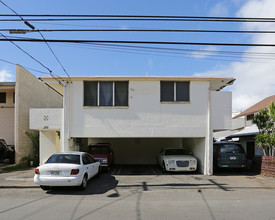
{"type": "Point", "coordinates": [102, 152]}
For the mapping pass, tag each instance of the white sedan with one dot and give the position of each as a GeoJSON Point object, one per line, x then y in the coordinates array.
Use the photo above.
{"type": "Point", "coordinates": [176, 159]}
{"type": "Point", "coordinates": [67, 169]}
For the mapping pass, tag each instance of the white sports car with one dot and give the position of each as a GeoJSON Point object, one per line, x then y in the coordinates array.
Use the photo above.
{"type": "Point", "coordinates": [176, 159]}
{"type": "Point", "coordinates": [67, 169]}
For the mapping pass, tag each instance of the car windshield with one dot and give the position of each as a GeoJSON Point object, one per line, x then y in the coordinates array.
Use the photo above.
{"type": "Point", "coordinates": [99, 150]}
{"type": "Point", "coordinates": [175, 152]}
{"type": "Point", "coordinates": [231, 148]}
{"type": "Point", "coordinates": [64, 158]}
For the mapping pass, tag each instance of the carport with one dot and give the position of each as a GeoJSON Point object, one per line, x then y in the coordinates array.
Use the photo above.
{"type": "Point", "coordinates": [141, 151]}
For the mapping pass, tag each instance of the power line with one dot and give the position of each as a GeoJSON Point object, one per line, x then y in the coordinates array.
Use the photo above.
{"type": "Point", "coordinates": [137, 19]}
{"type": "Point", "coordinates": [140, 16]}
{"type": "Point", "coordinates": [33, 28]}
{"type": "Point", "coordinates": [5, 61]}
{"type": "Point", "coordinates": [139, 42]}
{"type": "Point", "coordinates": [26, 53]}
{"type": "Point", "coordinates": [23, 31]}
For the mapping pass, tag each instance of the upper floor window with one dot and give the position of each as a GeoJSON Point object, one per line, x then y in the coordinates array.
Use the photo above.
{"type": "Point", "coordinates": [105, 93]}
{"type": "Point", "coordinates": [174, 91]}
{"type": "Point", "coordinates": [3, 97]}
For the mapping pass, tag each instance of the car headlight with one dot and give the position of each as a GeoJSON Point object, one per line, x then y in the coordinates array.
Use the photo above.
{"type": "Point", "coordinates": [171, 162]}
{"type": "Point", "coordinates": [104, 160]}
{"type": "Point", "coordinates": [193, 162]}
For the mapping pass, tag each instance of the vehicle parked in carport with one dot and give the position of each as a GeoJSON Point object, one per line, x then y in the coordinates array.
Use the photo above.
{"type": "Point", "coordinates": [229, 155]}
{"type": "Point", "coordinates": [102, 152]}
{"type": "Point", "coordinates": [67, 169]}
{"type": "Point", "coordinates": [176, 159]}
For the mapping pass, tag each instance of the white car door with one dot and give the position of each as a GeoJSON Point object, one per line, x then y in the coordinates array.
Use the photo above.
{"type": "Point", "coordinates": [93, 165]}
{"type": "Point", "coordinates": [87, 166]}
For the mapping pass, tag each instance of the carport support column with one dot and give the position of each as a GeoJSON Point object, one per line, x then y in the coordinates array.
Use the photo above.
{"type": "Point", "coordinates": [65, 129]}
{"type": "Point", "coordinates": [208, 166]}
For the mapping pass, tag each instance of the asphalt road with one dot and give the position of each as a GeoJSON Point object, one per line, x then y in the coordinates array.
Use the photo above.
{"type": "Point", "coordinates": [121, 194]}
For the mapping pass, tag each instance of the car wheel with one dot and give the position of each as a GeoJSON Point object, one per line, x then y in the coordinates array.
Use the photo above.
{"type": "Point", "coordinates": [45, 187]}
{"type": "Point", "coordinates": [98, 172]}
{"type": "Point", "coordinates": [84, 183]}
{"type": "Point", "coordinates": [163, 167]}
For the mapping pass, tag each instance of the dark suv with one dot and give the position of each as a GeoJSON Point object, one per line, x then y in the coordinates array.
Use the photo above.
{"type": "Point", "coordinates": [229, 155]}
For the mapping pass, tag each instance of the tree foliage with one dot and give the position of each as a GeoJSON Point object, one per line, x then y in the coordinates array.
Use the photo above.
{"type": "Point", "coordinates": [265, 121]}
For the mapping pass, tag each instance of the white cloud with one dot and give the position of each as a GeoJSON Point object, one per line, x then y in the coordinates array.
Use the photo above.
{"type": "Point", "coordinates": [254, 81]}
{"type": "Point", "coordinates": [220, 9]}
{"type": "Point", "coordinates": [208, 51]}
{"type": "Point", "coordinates": [5, 76]}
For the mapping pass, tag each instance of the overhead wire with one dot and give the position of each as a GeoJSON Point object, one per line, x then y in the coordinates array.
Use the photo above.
{"type": "Point", "coordinates": [139, 30]}
{"type": "Point", "coordinates": [141, 42]}
{"type": "Point", "coordinates": [29, 68]}
{"type": "Point", "coordinates": [139, 17]}
{"type": "Point", "coordinates": [33, 28]}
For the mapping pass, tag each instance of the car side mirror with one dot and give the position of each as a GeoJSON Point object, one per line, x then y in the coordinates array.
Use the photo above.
{"type": "Point", "coordinates": [161, 154]}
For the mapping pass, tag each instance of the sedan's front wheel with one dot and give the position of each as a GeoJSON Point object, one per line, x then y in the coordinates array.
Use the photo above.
{"type": "Point", "coordinates": [84, 183]}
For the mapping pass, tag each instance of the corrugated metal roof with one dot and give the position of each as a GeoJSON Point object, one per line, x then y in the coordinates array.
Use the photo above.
{"type": "Point", "coordinates": [247, 131]}
{"type": "Point", "coordinates": [257, 107]}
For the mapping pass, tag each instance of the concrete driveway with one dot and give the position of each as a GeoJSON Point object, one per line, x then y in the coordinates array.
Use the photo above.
{"type": "Point", "coordinates": [118, 195]}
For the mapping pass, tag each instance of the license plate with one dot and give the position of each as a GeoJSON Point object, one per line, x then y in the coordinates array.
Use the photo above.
{"type": "Point", "coordinates": [233, 157]}
{"type": "Point", "coordinates": [54, 173]}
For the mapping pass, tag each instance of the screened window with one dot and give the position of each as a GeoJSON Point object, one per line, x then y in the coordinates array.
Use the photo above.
{"type": "Point", "coordinates": [174, 91]}
{"type": "Point", "coordinates": [105, 93]}
{"type": "Point", "coordinates": [2, 97]}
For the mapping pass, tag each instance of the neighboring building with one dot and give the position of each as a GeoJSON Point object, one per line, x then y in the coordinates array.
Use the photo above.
{"type": "Point", "coordinates": [7, 113]}
{"type": "Point", "coordinates": [137, 115]}
{"type": "Point", "coordinates": [16, 98]}
{"type": "Point", "coordinates": [246, 135]}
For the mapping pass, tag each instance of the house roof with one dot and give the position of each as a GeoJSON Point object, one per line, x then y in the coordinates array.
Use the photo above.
{"type": "Point", "coordinates": [257, 107]}
{"type": "Point", "coordinates": [216, 84]}
{"type": "Point", "coordinates": [7, 83]}
{"type": "Point", "coordinates": [247, 131]}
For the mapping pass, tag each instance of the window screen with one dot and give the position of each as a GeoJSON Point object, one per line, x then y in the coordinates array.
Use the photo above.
{"type": "Point", "coordinates": [167, 91]}
{"type": "Point", "coordinates": [106, 94]}
{"type": "Point", "coordinates": [90, 93]}
{"type": "Point", "coordinates": [121, 93]}
{"type": "Point", "coordinates": [182, 91]}
{"type": "Point", "coordinates": [2, 97]}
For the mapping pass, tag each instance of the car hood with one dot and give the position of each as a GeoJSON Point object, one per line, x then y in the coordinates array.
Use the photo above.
{"type": "Point", "coordinates": [178, 157]}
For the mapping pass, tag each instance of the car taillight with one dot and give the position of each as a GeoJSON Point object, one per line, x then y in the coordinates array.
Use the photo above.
{"type": "Point", "coordinates": [37, 171]}
{"type": "Point", "coordinates": [218, 156]}
{"type": "Point", "coordinates": [74, 171]}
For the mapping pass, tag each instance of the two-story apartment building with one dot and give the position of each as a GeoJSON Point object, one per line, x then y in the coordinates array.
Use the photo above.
{"type": "Point", "coordinates": [138, 116]}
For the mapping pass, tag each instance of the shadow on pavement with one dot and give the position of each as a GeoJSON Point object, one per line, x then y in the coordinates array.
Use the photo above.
{"type": "Point", "coordinates": [100, 185]}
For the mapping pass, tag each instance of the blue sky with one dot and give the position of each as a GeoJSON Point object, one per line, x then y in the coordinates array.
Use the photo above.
{"type": "Point", "coordinates": [97, 60]}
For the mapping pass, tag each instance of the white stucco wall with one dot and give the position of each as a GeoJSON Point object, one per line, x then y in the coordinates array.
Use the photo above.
{"type": "Point", "coordinates": [197, 147]}
{"type": "Point", "coordinates": [221, 110]}
{"type": "Point", "coordinates": [46, 118]}
{"type": "Point", "coordinates": [145, 116]}
{"type": "Point", "coordinates": [47, 145]}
